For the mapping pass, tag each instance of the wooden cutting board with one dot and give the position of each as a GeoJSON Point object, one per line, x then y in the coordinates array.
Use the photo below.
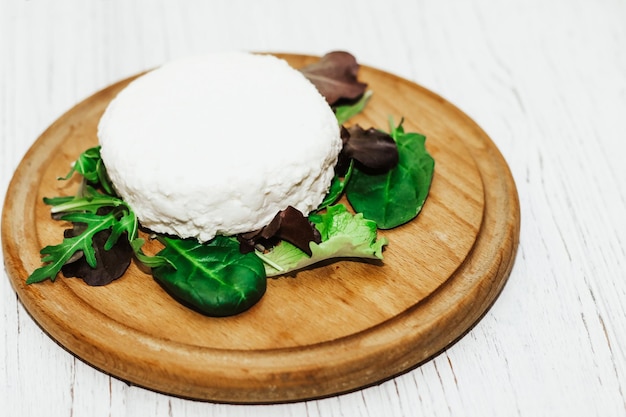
{"type": "Point", "coordinates": [317, 333]}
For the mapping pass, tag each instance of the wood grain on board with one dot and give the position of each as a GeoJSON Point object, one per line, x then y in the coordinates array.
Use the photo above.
{"type": "Point", "coordinates": [316, 333]}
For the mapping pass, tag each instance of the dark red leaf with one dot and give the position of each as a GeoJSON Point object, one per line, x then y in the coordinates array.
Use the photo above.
{"type": "Point", "coordinates": [374, 150]}
{"type": "Point", "coordinates": [335, 76]}
{"type": "Point", "coordinates": [289, 225]}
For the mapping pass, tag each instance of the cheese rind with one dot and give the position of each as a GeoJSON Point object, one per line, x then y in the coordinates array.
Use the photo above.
{"type": "Point", "coordinates": [218, 144]}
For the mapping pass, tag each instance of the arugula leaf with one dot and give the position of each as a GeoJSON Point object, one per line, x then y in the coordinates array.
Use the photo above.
{"type": "Point", "coordinates": [396, 197]}
{"type": "Point", "coordinates": [344, 235]}
{"type": "Point", "coordinates": [128, 224]}
{"type": "Point", "coordinates": [57, 255]}
{"type": "Point", "coordinates": [110, 263]}
{"type": "Point", "coordinates": [149, 261]}
{"type": "Point", "coordinates": [99, 214]}
{"type": "Point", "coordinates": [89, 164]}
{"type": "Point", "coordinates": [214, 278]}
{"type": "Point", "coordinates": [337, 187]}
{"type": "Point", "coordinates": [90, 204]}
{"type": "Point", "coordinates": [85, 165]}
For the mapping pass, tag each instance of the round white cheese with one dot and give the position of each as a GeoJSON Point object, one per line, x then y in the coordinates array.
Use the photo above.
{"type": "Point", "coordinates": [218, 144]}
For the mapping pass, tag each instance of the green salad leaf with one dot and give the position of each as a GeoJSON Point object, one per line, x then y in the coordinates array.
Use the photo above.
{"type": "Point", "coordinates": [397, 196]}
{"type": "Point", "coordinates": [337, 187]}
{"type": "Point", "coordinates": [112, 259]}
{"type": "Point", "coordinates": [345, 112]}
{"type": "Point", "coordinates": [55, 256]}
{"type": "Point", "coordinates": [214, 278]}
{"type": "Point", "coordinates": [344, 235]}
{"type": "Point", "coordinates": [95, 211]}
{"type": "Point", "coordinates": [89, 164]}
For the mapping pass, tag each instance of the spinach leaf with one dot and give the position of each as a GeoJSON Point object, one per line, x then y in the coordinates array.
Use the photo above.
{"type": "Point", "coordinates": [396, 197]}
{"type": "Point", "coordinates": [213, 278]}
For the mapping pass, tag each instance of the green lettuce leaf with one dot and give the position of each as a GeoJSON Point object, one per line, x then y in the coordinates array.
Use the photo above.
{"type": "Point", "coordinates": [344, 235]}
{"type": "Point", "coordinates": [345, 112]}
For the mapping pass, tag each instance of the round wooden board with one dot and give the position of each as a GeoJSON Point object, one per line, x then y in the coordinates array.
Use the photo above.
{"type": "Point", "coordinates": [317, 333]}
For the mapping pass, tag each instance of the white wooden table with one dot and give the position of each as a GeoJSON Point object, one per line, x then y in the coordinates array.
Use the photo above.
{"type": "Point", "coordinates": [545, 79]}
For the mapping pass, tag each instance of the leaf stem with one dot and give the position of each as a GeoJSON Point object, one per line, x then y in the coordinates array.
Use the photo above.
{"type": "Point", "coordinates": [269, 261]}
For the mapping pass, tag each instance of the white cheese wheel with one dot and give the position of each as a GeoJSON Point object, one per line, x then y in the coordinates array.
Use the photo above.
{"type": "Point", "coordinates": [218, 144]}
